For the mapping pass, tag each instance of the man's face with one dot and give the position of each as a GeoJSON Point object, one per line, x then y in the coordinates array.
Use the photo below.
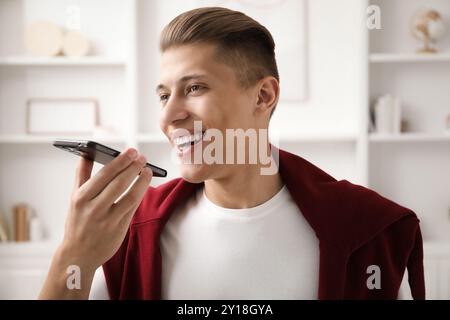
{"type": "Point", "coordinates": [194, 86]}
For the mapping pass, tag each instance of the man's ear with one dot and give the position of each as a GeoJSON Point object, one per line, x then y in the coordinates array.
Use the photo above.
{"type": "Point", "coordinates": [267, 94]}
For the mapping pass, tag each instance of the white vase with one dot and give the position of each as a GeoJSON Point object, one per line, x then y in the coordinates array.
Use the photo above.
{"type": "Point", "coordinates": [388, 115]}
{"type": "Point", "coordinates": [384, 115]}
{"type": "Point", "coordinates": [36, 231]}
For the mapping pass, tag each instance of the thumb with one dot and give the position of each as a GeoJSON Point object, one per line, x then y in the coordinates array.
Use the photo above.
{"type": "Point", "coordinates": [83, 172]}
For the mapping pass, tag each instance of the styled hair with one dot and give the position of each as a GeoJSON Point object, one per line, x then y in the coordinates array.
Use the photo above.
{"type": "Point", "coordinates": [241, 42]}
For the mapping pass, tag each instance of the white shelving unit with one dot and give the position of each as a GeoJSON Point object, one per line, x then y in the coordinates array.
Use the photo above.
{"type": "Point", "coordinates": [31, 169]}
{"type": "Point", "coordinates": [412, 168]}
{"type": "Point", "coordinates": [27, 139]}
{"type": "Point", "coordinates": [410, 137]}
{"type": "Point", "coordinates": [152, 138]}
{"type": "Point", "coordinates": [421, 82]}
{"type": "Point", "coordinates": [108, 73]}
{"type": "Point", "coordinates": [314, 138]}
{"type": "Point", "coordinates": [61, 61]}
{"type": "Point", "coordinates": [408, 57]}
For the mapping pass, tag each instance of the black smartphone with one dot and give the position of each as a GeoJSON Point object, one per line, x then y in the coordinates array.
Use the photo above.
{"type": "Point", "coordinates": [98, 152]}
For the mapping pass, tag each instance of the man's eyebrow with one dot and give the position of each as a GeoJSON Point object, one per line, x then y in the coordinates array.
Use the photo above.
{"type": "Point", "coordinates": [183, 79]}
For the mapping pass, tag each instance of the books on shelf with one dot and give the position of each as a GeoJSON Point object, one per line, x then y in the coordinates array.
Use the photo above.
{"type": "Point", "coordinates": [20, 222]}
{"type": "Point", "coordinates": [25, 225]}
{"type": "Point", "coordinates": [385, 115]}
{"type": "Point", "coordinates": [3, 228]}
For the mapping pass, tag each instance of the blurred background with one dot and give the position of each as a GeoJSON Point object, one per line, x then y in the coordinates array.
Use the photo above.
{"type": "Point", "coordinates": [365, 96]}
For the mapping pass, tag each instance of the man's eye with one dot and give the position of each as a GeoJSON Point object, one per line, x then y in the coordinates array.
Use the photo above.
{"type": "Point", "coordinates": [195, 88]}
{"type": "Point", "coordinates": [163, 97]}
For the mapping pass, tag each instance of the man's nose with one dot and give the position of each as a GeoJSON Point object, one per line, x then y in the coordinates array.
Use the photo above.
{"type": "Point", "coordinates": [174, 110]}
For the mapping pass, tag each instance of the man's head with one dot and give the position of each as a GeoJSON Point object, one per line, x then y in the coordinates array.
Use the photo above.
{"type": "Point", "coordinates": [218, 67]}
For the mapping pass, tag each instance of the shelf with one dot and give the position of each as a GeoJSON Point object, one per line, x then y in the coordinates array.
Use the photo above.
{"type": "Point", "coordinates": [315, 138]}
{"type": "Point", "coordinates": [61, 61]}
{"type": "Point", "coordinates": [26, 255]}
{"type": "Point", "coordinates": [408, 57]}
{"type": "Point", "coordinates": [23, 138]}
{"type": "Point", "coordinates": [27, 247]}
{"type": "Point", "coordinates": [152, 138]}
{"type": "Point", "coordinates": [410, 137]}
{"type": "Point", "coordinates": [160, 138]}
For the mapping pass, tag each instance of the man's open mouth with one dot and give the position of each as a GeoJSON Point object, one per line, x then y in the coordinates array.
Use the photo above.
{"type": "Point", "coordinates": [185, 142]}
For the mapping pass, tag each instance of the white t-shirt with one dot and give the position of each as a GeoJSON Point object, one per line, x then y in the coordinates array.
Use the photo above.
{"type": "Point", "coordinates": [265, 252]}
{"type": "Point", "coordinates": [209, 252]}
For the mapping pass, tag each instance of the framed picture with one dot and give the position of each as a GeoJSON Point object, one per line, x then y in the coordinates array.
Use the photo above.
{"type": "Point", "coordinates": [61, 116]}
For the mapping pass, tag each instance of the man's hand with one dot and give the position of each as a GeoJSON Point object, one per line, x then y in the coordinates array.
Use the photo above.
{"type": "Point", "coordinates": [96, 224]}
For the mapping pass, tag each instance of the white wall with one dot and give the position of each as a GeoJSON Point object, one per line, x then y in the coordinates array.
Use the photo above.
{"type": "Point", "coordinates": [334, 47]}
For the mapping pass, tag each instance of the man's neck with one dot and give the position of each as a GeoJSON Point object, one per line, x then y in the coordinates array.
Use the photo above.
{"type": "Point", "coordinates": [245, 188]}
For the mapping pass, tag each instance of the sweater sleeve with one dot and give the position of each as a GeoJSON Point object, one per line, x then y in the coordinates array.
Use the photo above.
{"type": "Point", "coordinates": [416, 276]}
{"type": "Point", "coordinates": [113, 269]}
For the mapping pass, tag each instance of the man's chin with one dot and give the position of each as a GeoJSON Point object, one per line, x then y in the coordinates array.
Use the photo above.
{"type": "Point", "coordinates": [193, 173]}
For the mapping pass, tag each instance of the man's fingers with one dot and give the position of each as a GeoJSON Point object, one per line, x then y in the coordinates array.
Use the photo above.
{"type": "Point", "coordinates": [83, 172]}
{"type": "Point", "coordinates": [120, 183]}
{"type": "Point", "coordinates": [98, 182]}
{"type": "Point", "coordinates": [127, 205]}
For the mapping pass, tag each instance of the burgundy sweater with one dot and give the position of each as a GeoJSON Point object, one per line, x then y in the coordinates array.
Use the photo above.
{"type": "Point", "coordinates": [357, 228]}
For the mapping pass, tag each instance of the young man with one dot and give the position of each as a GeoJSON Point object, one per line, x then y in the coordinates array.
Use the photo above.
{"type": "Point", "coordinates": [225, 230]}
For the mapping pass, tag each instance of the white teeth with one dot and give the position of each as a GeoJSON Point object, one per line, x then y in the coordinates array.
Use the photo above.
{"type": "Point", "coordinates": [184, 141]}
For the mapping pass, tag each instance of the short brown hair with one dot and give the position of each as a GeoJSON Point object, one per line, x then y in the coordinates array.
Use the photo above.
{"type": "Point", "coordinates": [242, 43]}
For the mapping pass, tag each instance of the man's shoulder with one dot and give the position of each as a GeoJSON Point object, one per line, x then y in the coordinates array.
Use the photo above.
{"type": "Point", "coordinates": [341, 212]}
{"type": "Point", "coordinates": [355, 214]}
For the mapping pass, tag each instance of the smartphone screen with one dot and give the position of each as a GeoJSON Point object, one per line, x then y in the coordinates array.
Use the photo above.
{"type": "Point", "coordinates": [98, 152]}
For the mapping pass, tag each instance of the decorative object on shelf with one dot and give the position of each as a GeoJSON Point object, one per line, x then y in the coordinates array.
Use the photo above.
{"type": "Point", "coordinates": [387, 115]}
{"type": "Point", "coordinates": [36, 231]}
{"type": "Point", "coordinates": [20, 222]}
{"type": "Point", "coordinates": [62, 116]}
{"type": "Point", "coordinates": [75, 44]}
{"type": "Point", "coordinates": [3, 228]}
{"type": "Point", "coordinates": [404, 126]}
{"type": "Point", "coordinates": [44, 38]}
{"type": "Point", "coordinates": [447, 124]}
{"type": "Point", "coordinates": [427, 26]}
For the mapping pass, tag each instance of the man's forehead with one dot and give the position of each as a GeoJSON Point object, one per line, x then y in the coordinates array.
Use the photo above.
{"type": "Point", "coordinates": [194, 49]}
{"type": "Point", "coordinates": [188, 56]}
{"type": "Point", "coordinates": [190, 61]}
